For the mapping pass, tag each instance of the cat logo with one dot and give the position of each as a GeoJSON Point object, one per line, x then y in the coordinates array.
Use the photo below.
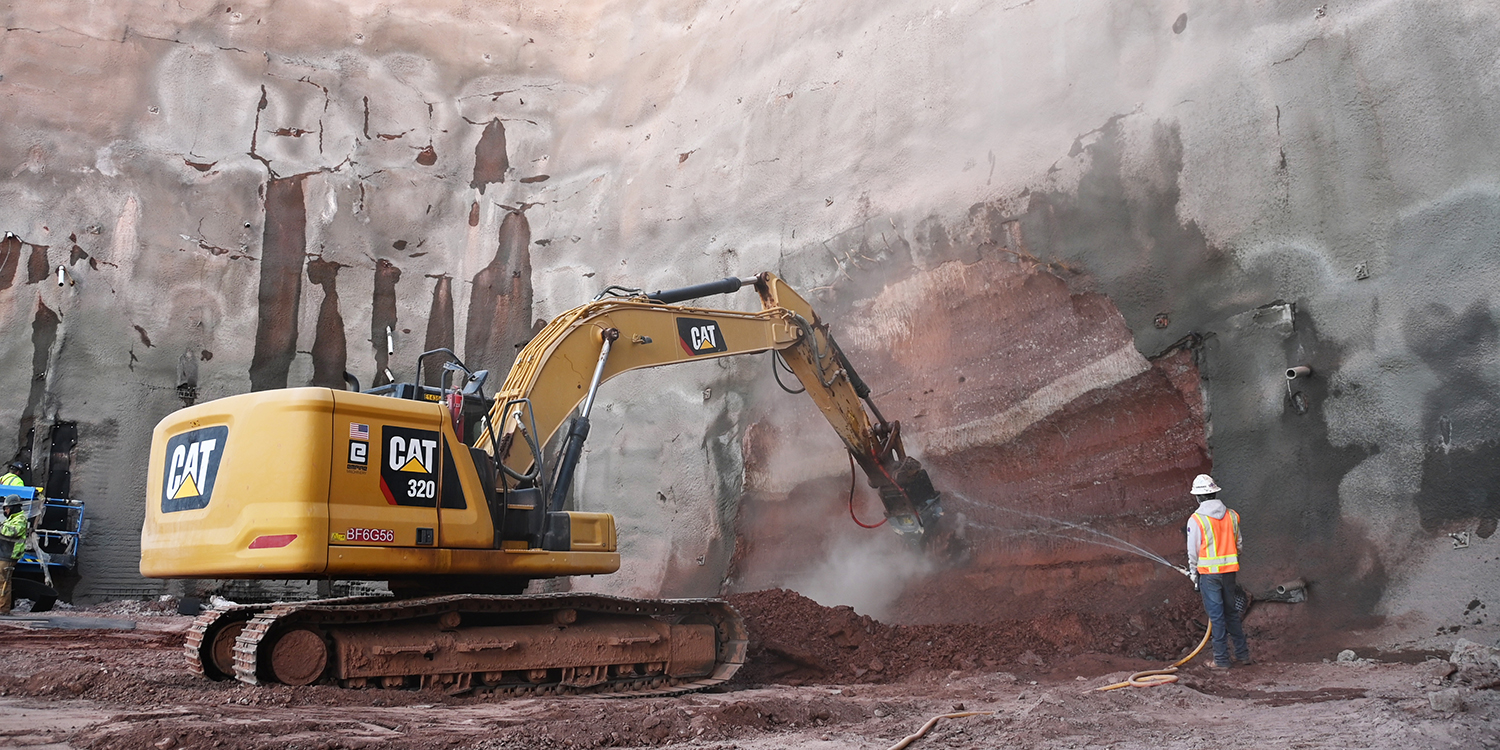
{"type": "Point", "coordinates": [413, 454]}
{"type": "Point", "coordinates": [700, 336]}
{"type": "Point", "coordinates": [409, 466]}
{"type": "Point", "coordinates": [191, 466]}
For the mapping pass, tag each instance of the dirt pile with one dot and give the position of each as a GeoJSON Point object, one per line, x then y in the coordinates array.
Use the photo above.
{"type": "Point", "coordinates": [794, 641]}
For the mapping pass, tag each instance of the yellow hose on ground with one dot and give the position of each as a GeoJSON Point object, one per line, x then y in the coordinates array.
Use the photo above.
{"type": "Point", "coordinates": [917, 735]}
{"type": "Point", "coordinates": [1154, 677]}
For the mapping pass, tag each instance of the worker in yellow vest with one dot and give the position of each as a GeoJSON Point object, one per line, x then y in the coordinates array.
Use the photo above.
{"type": "Point", "coordinates": [1213, 550]}
{"type": "Point", "coordinates": [13, 529]}
{"type": "Point", "coordinates": [12, 475]}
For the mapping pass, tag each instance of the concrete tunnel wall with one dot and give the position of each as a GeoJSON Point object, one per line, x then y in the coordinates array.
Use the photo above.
{"type": "Point", "coordinates": [1077, 244]}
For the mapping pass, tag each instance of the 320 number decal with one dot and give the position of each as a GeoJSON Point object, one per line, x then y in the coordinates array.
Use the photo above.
{"type": "Point", "coordinates": [416, 488]}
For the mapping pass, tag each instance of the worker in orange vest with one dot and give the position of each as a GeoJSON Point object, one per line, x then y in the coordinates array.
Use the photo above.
{"type": "Point", "coordinates": [1213, 550]}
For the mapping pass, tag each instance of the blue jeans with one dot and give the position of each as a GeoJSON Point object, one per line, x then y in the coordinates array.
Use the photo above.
{"type": "Point", "coordinates": [1218, 600]}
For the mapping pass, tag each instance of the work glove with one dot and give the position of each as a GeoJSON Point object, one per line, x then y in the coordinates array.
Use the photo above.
{"type": "Point", "coordinates": [1193, 574]}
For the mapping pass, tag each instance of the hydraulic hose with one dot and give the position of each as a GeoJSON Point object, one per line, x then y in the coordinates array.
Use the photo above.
{"type": "Point", "coordinates": [1154, 677]}
{"type": "Point", "coordinates": [917, 735]}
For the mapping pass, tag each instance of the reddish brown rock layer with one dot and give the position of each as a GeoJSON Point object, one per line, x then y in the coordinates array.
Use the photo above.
{"type": "Point", "coordinates": [1055, 442]}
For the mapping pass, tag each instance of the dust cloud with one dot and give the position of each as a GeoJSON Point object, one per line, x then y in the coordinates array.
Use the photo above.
{"type": "Point", "coordinates": [867, 573]}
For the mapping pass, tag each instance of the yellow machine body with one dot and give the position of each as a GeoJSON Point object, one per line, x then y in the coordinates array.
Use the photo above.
{"type": "Point", "coordinates": [312, 483]}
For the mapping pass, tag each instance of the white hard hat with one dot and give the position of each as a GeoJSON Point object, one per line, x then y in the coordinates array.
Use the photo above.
{"type": "Point", "coordinates": [1203, 484]}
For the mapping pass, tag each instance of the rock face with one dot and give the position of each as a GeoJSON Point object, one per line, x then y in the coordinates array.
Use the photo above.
{"type": "Point", "coordinates": [1075, 254]}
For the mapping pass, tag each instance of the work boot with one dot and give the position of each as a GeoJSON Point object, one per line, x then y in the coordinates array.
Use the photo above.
{"type": "Point", "coordinates": [1245, 662]}
{"type": "Point", "coordinates": [1218, 665]}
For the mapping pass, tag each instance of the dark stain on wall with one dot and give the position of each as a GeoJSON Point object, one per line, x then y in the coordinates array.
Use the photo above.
{"type": "Point", "coordinates": [686, 576]}
{"type": "Point", "coordinates": [383, 315]}
{"type": "Point", "coordinates": [43, 336]}
{"type": "Point", "coordinates": [1460, 485]}
{"type": "Point", "coordinates": [330, 350]}
{"type": "Point", "coordinates": [75, 253]}
{"type": "Point", "coordinates": [37, 265]}
{"type": "Point", "coordinates": [490, 159]}
{"type": "Point", "coordinates": [427, 157]}
{"type": "Point", "coordinates": [500, 304]}
{"type": "Point", "coordinates": [187, 377]}
{"type": "Point", "coordinates": [1461, 471]}
{"type": "Point", "coordinates": [10, 258]}
{"type": "Point", "coordinates": [439, 327]}
{"type": "Point", "coordinates": [283, 251]}
{"type": "Point", "coordinates": [1126, 233]}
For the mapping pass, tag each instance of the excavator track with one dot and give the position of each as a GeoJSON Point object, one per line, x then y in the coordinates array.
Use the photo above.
{"type": "Point", "coordinates": [546, 644]}
{"type": "Point", "coordinates": [208, 631]}
{"type": "Point", "coordinates": [209, 645]}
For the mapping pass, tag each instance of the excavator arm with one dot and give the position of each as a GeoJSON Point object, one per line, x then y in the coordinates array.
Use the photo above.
{"type": "Point", "coordinates": [559, 372]}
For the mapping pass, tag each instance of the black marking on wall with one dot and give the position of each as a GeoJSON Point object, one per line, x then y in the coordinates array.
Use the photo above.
{"type": "Point", "coordinates": [500, 303]}
{"type": "Point", "coordinates": [62, 439]}
{"type": "Point", "coordinates": [383, 315]}
{"type": "Point", "coordinates": [283, 251]}
{"type": "Point", "coordinates": [24, 451]}
{"type": "Point", "coordinates": [43, 337]}
{"type": "Point", "coordinates": [439, 328]}
{"type": "Point", "coordinates": [330, 351]}
{"type": "Point", "coordinates": [490, 160]}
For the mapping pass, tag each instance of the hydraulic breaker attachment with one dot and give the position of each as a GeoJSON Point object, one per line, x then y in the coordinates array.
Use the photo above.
{"type": "Point", "coordinates": [912, 505]}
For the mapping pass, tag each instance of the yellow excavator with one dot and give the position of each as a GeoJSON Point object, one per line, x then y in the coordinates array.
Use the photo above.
{"type": "Point", "coordinates": [444, 493]}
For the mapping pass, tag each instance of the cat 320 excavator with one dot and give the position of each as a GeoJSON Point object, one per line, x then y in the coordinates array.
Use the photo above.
{"type": "Point", "coordinates": [444, 494]}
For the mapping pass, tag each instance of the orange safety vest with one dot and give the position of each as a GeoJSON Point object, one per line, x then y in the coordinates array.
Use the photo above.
{"type": "Point", "coordinates": [1218, 543]}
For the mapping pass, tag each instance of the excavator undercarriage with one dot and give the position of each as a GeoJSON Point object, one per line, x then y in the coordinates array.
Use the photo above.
{"type": "Point", "coordinates": [463, 643]}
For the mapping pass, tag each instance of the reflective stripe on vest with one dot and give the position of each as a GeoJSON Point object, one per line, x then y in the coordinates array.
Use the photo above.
{"type": "Point", "coordinates": [1218, 545]}
{"type": "Point", "coordinates": [11, 480]}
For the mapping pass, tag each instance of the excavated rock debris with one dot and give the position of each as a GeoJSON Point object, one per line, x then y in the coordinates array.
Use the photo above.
{"type": "Point", "coordinates": [794, 640]}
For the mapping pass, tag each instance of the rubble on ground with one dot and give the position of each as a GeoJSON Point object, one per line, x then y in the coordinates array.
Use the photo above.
{"type": "Point", "coordinates": [128, 690]}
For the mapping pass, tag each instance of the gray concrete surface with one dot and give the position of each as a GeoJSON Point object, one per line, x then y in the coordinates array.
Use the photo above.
{"type": "Point", "coordinates": [457, 171]}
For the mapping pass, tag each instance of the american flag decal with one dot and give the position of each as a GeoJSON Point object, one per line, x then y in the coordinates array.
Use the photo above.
{"type": "Point", "coordinates": [359, 431]}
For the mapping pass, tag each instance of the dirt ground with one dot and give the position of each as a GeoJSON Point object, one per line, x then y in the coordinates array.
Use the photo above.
{"type": "Point", "coordinates": [818, 678]}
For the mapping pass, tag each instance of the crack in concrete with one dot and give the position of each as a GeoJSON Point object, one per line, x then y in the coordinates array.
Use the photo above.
{"type": "Point", "coordinates": [1299, 52]}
